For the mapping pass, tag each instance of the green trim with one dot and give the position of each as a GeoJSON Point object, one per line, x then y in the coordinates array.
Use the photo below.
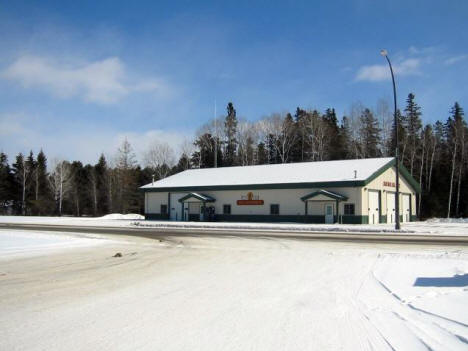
{"type": "Point", "coordinates": [346, 219]}
{"type": "Point", "coordinates": [320, 219]}
{"type": "Point", "coordinates": [259, 218]}
{"type": "Point", "coordinates": [201, 197]}
{"type": "Point", "coordinates": [194, 217]}
{"type": "Point", "coordinates": [340, 184]}
{"type": "Point", "coordinates": [383, 218]}
{"type": "Point", "coordinates": [354, 219]}
{"type": "Point", "coordinates": [156, 216]}
{"type": "Point", "coordinates": [329, 194]}
{"type": "Point", "coordinates": [413, 218]}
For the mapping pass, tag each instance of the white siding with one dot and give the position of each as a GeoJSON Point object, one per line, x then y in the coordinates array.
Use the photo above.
{"type": "Point", "coordinates": [289, 201]}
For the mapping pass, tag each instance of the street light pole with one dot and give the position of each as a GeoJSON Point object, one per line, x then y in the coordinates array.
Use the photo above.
{"type": "Point", "coordinates": [397, 167]}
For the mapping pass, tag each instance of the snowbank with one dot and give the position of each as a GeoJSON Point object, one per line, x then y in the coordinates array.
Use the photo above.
{"type": "Point", "coordinates": [447, 220]}
{"type": "Point", "coordinates": [132, 216]}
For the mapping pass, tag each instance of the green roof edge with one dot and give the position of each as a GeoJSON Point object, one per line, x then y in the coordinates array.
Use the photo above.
{"type": "Point", "coordinates": [324, 193]}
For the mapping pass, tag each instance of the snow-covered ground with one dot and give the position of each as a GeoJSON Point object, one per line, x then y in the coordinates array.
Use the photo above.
{"type": "Point", "coordinates": [435, 226]}
{"type": "Point", "coordinates": [233, 294]}
{"type": "Point", "coordinates": [27, 243]}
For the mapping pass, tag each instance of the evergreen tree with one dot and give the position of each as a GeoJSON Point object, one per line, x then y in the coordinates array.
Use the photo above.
{"type": "Point", "coordinates": [335, 142]}
{"type": "Point", "coordinates": [43, 201]}
{"type": "Point", "coordinates": [402, 137]}
{"type": "Point", "coordinates": [370, 138]}
{"type": "Point", "coordinates": [102, 186]}
{"type": "Point", "coordinates": [204, 157]}
{"type": "Point", "coordinates": [299, 149]}
{"type": "Point", "coordinates": [230, 127]}
{"type": "Point", "coordinates": [346, 138]}
{"type": "Point", "coordinates": [413, 125]}
{"type": "Point", "coordinates": [21, 178]}
{"type": "Point", "coordinates": [262, 154]}
{"type": "Point", "coordinates": [6, 186]}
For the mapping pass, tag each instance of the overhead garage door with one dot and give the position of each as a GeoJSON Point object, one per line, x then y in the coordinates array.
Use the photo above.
{"type": "Point", "coordinates": [406, 198]}
{"type": "Point", "coordinates": [390, 207]}
{"type": "Point", "coordinates": [374, 208]}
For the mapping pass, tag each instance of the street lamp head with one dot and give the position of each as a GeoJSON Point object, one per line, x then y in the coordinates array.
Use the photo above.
{"type": "Point", "coordinates": [383, 52]}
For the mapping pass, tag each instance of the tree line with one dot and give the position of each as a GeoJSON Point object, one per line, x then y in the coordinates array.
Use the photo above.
{"type": "Point", "coordinates": [435, 155]}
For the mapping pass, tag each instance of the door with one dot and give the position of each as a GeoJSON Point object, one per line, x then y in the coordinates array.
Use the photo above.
{"type": "Point", "coordinates": [390, 207]}
{"type": "Point", "coordinates": [374, 208]}
{"type": "Point", "coordinates": [406, 207]}
{"type": "Point", "coordinates": [329, 213]}
{"type": "Point", "coordinates": [176, 213]}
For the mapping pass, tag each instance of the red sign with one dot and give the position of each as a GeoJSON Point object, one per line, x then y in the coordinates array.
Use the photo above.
{"type": "Point", "coordinates": [390, 184]}
{"type": "Point", "coordinates": [250, 200]}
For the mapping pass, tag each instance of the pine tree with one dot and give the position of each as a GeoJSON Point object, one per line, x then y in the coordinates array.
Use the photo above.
{"type": "Point", "coordinates": [42, 204]}
{"type": "Point", "coordinates": [230, 126]}
{"type": "Point", "coordinates": [346, 138]}
{"type": "Point", "coordinates": [204, 156]}
{"type": "Point", "coordinates": [370, 137]}
{"type": "Point", "coordinates": [334, 144]}
{"type": "Point", "coordinates": [102, 186]}
{"type": "Point", "coordinates": [402, 137]}
{"type": "Point", "coordinates": [6, 186]}
{"type": "Point", "coordinates": [21, 178]}
{"type": "Point", "coordinates": [412, 124]}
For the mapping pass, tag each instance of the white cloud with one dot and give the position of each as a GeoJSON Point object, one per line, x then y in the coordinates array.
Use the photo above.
{"type": "Point", "coordinates": [375, 73]}
{"type": "Point", "coordinates": [455, 59]}
{"type": "Point", "coordinates": [102, 82]}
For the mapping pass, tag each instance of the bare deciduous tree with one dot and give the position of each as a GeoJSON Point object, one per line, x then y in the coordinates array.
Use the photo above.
{"type": "Point", "coordinates": [160, 158]}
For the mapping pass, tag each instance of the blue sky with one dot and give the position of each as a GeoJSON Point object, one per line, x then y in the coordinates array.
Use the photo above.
{"type": "Point", "coordinates": [76, 77]}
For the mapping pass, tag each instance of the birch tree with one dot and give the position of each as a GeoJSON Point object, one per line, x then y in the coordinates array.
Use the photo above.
{"type": "Point", "coordinates": [61, 182]}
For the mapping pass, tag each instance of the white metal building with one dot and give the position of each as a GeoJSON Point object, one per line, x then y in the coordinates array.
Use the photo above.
{"type": "Point", "coordinates": [348, 191]}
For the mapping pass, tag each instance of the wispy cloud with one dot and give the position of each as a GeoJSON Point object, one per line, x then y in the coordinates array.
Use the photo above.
{"type": "Point", "coordinates": [19, 133]}
{"type": "Point", "coordinates": [456, 59]}
{"type": "Point", "coordinates": [102, 82]}
{"type": "Point", "coordinates": [376, 73]}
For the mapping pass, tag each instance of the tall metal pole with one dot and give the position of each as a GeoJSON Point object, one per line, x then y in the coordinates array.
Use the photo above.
{"type": "Point", "coordinates": [397, 167]}
{"type": "Point", "coordinates": [216, 139]}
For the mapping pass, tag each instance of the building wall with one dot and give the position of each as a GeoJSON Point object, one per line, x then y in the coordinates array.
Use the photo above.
{"type": "Point", "coordinates": [289, 201]}
{"type": "Point", "coordinates": [379, 184]}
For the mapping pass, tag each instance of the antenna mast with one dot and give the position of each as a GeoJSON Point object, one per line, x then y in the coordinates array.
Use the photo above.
{"type": "Point", "coordinates": [216, 139]}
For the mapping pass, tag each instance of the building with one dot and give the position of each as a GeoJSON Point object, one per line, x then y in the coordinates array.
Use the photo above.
{"type": "Point", "coordinates": [348, 191]}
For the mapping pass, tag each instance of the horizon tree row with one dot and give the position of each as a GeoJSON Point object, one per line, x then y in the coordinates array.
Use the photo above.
{"type": "Point", "coordinates": [434, 154]}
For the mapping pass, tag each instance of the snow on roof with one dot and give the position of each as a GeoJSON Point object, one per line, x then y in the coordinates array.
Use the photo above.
{"type": "Point", "coordinates": [292, 173]}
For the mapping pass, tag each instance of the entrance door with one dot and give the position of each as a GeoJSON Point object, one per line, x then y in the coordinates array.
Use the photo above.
{"type": "Point", "coordinates": [329, 213]}
{"type": "Point", "coordinates": [390, 207]}
{"type": "Point", "coordinates": [176, 213]}
{"type": "Point", "coordinates": [374, 207]}
{"type": "Point", "coordinates": [406, 207]}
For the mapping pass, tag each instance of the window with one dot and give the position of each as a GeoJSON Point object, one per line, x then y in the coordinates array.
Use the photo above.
{"type": "Point", "coordinates": [163, 209]}
{"type": "Point", "coordinates": [349, 209]}
{"type": "Point", "coordinates": [274, 209]}
{"type": "Point", "coordinates": [226, 209]}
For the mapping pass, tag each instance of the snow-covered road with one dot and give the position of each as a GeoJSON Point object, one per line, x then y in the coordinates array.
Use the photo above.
{"type": "Point", "coordinates": [454, 227]}
{"type": "Point", "coordinates": [235, 294]}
